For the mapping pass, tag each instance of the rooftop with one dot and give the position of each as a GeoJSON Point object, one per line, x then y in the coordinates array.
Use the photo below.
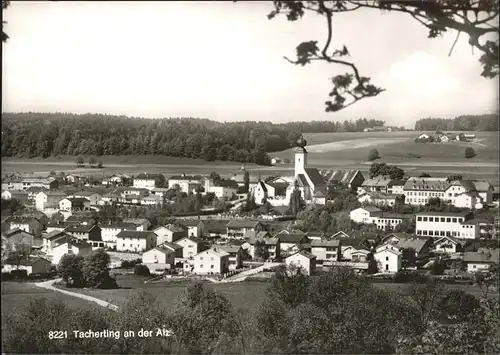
{"type": "Point", "coordinates": [135, 234]}
{"type": "Point", "coordinates": [242, 223]}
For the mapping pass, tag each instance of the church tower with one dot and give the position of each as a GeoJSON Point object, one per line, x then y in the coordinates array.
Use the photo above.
{"type": "Point", "coordinates": [300, 156]}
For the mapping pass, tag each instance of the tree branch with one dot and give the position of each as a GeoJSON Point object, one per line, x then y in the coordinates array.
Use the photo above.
{"type": "Point", "coordinates": [454, 43]}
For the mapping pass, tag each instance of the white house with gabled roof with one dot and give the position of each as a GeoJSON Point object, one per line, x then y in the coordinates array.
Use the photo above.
{"type": "Point", "coordinates": [211, 261]}
{"type": "Point", "coordinates": [388, 259]}
{"type": "Point", "coordinates": [304, 260]}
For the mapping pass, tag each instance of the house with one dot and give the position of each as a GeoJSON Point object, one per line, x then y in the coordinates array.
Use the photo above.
{"type": "Point", "coordinates": [152, 200]}
{"type": "Point", "coordinates": [135, 241]}
{"type": "Point", "coordinates": [447, 245]}
{"type": "Point", "coordinates": [190, 246]}
{"type": "Point", "coordinates": [111, 230]}
{"type": "Point", "coordinates": [175, 248]}
{"type": "Point", "coordinates": [159, 191]}
{"type": "Point", "coordinates": [17, 237]}
{"type": "Point", "coordinates": [239, 178]}
{"type": "Point", "coordinates": [315, 236]}
{"type": "Point", "coordinates": [277, 190]}
{"type": "Point", "coordinates": [215, 228]}
{"type": "Point", "coordinates": [350, 247]}
{"type": "Point", "coordinates": [441, 224]}
{"type": "Point", "coordinates": [170, 233]}
{"type": "Point", "coordinates": [418, 191]}
{"type": "Point", "coordinates": [76, 247]}
{"type": "Point", "coordinates": [47, 183]}
{"type": "Point", "coordinates": [364, 215]}
{"type": "Point", "coordinates": [340, 235]}
{"type": "Point", "coordinates": [325, 250]}
{"type": "Point", "coordinates": [234, 251]}
{"type": "Point", "coordinates": [89, 233]}
{"type": "Point", "coordinates": [290, 242]}
{"type": "Point", "coordinates": [116, 180]}
{"type": "Point", "coordinates": [469, 136]}
{"type": "Point", "coordinates": [307, 180]}
{"type": "Point", "coordinates": [60, 226]}
{"type": "Point", "coordinates": [72, 178]}
{"type": "Point", "coordinates": [419, 245]}
{"type": "Point", "coordinates": [396, 187]}
{"type": "Point", "coordinates": [378, 198]}
{"type": "Point", "coordinates": [186, 183]}
{"type": "Point", "coordinates": [389, 221]}
{"type": "Point", "coordinates": [270, 245]}
{"type": "Point", "coordinates": [33, 266]}
{"type": "Point", "coordinates": [348, 178]}
{"type": "Point", "coordinates": [48, 199]}
{"type": "Point", "coordinates": [376, 184]}
{"type": "Point", "coordinates": [224, 189]}
{"type": "Point", "coordinates": [195, 227]}
{"type": "Point", "coordinates": [463, 194]}
{"type": "Point", "coordinates": [423, 136]}
{"type": "Point", "coordinates": [480, 261]}
{"type": "Point", "coordinates": [145, 181]}
{"type": "Point", "coordinates": [211, 261]}
{"type": "Point", "coordinates": [238, 228]}
{"type": "Point", "coordinates": [52, 239]}
{"type": "Point", "coordinates": [93, 197]}
{"type": "Point", "coordinates": [27, 224]}
{"type": "Point", "coordinates": [303, 260]}
{"type": "Point", "coordinates": [388, 259]}
{"type": "Point", "coordinates": [21, 196]}
{"type": "Point", "coordinates": [141, 224]}
{"type": "Point", "coordinates": [162, 256]}
{"type": "Point", "coordinates": [74, 204]}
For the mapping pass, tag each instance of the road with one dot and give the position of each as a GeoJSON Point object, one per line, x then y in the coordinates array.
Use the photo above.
{"type": "Point", "coordinates": [243, 275]}
{"type": "Point", "coordinates": [49, 286]}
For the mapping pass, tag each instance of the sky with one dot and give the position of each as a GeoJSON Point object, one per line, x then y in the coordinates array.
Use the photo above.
{"type": "Point", "coordinates": [224, 61]}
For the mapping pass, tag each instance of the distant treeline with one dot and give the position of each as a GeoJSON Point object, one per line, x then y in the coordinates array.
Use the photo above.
{"type": "Point", "coordinates": [487, 122]}
{"type": "Point", "coordinates": [44, 134]}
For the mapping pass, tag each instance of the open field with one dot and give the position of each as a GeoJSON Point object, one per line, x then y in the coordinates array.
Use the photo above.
{"type": "Point", "coordinates": [326, 151]}
{"type": "Point", "coordinates": [18, 295]}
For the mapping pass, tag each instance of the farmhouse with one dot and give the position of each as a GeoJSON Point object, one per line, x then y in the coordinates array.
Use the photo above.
{"type": "Point", "coordinates": [481, 261]}
{"type": "Point", "coordinates": [111, 230]}
{"type": "Point", "coordinates": [27, 224]}
{"type": "Point", "coordinates": [365, 215]}
{"type": "Point", "coordinates": [235, 260]}
{"type": "Point", "coordinates": [159, 255]}
{"type": "Point", "coordinates": [186, 183]}
{"type": "Point", "coordinates": [52, 239]}
{"type": "Point", "coordinates": [270, 246]}
{"type": "Point", "coordinates": [75, 247]}
{"type": "Point", "coordinates": [141, 224]}
{"type": "Point", "coordinates": [135, 241]}
{"type": "Point", "coordinates": [145, 181]}
{"type": "Point", "coordinates": [388, 259]}
{"type": "Point", "coordinates": [377, 184]}
{"type": "Point", "coordinates": [238, 229]}
{"type": "Point", "coordinates": [448, 245]}
{"type": "Point", "coordinates": [303, 260]}
{"type": "Point", "coordinates": [190, 246]}
{"type": "Point", "coordinates": [211, 261]}
{"type": "Point", "coordinates": [33, 266]}
{"type": "Point", "coordinates": [93, 197]}
{"type": "Point", "coordinates": [17, 237]}
{"type": "Point", "coordinates": [170, 233]}
{"type": "Point", "coordinates": [74, 204]}
{"type": "Point", "coordinates": [349, 178]}
{"type": "Point", "coordinates": [325, 250]}
{"type": "Point", "coordinates": [48, 199]}
{"type": "Point", "coordinates": [195, 227]}
{"type": "Point", "coordinates": [290, 242]}
{"type": "Point", "coordinates": [89, 233]}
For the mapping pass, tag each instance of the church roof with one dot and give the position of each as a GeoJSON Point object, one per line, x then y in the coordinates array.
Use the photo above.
{"type": "Point", "coordinates": [315, 177]}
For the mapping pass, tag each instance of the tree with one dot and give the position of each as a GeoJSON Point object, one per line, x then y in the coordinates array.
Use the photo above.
{"type": "Point", "coordinates": [92, 161]}
{"type": "Point", "coordinates": [70, 268]}
{"type": "Point", "coordinates": [296, 202]}
{"type": "Point", "coordinates": [80, 161]}
{"type": "Point", "coordinates": [437, 16]}
{"type": "Point", "coordinates": [160, 181]}
{"type": "Point", "coordinates": [408, 257]}
{"type": "Point", "coordinates": [372, 264]}
{"type": "Point", "coordinates": [373, 155]}
{"type": "Point", "coordinates": [289, 285]}
{"type": "Point", "coordinates": [424, 175]}
{"type": "Point", "coordinates": [454, 177]}
{"type": "Point", "coordinates": [99, 165]}
{"type": "Point", "coordinates": [458, 305]}
{"type": "Point", "coordinates": [382, 169]}
{"type": "Point", "coordinates": [261, 252]}
{"type": "Point", "coordinates": [96, 270]}
{"type": "Point", "coordinates": [246, 180]}
{"type": "Point", "coordinates": [426, 296]}
{"type": "Point", "coordinates": [470, 153]}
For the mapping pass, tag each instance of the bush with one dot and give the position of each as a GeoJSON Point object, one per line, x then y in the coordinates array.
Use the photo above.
{"type": "Point", "coordinates": [410, 276]}
{"type": "Point", "coordinates": [129, 264]}
{"type": "Point", "coordinates": [373, 155]}
{"type": "Point", "coordinates": [438, 267]}
{"type": "Point", "coordinates": [470, 153]}
{"type": "Point", "coordinates": [141, 270]}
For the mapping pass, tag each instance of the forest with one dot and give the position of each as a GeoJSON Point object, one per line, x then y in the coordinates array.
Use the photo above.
{"type": "Point", "coordinates": [34, 134]}
{"type": "Point", "coordinates": [461, 123]}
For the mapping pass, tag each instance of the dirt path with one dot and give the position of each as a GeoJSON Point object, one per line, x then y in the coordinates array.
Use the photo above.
{"type": "Point", "coordinates": [48, 285]}
{"type": "Point", "coordinates": [243, 275]}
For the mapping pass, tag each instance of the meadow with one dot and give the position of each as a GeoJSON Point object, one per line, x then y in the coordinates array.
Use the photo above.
{"type": "Point", "coordinates": [343, 150]}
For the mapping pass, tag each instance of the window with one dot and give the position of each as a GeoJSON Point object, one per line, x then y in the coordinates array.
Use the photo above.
{"type": "Point", "coordinates": [431, 219]}
{"type": "Point", "coordinates": [211, 266]}
{"type": "Point", "coordinates": [201, 266]}
{"type": "Point", "coordinates": [386, 258]}
{"type": "Point", "coordinates": [443, 219]}
{"type": "Point", "coordinates": [201, 257]}
{"type": "Point", "coordinates": [424, 232]}
{"type": "Point", "coordinates": [211, 259]}
{"type": "Point", "coordinates": [425, 219]}
{"type": "Point", "coordinates": [454, 220]}
{"type": "Point", "coordinates": [448, 220]}
{"type": "Point", "coordinates": [386, 267]}
{"type": "Point", "coordinates": [419, 218]}
{"type": "Point", "coordinates": [441, 233]}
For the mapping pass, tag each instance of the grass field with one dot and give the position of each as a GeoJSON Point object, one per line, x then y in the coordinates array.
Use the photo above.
{"type": "Point", "coordinates": [18, 295]}
{"type": "Point", "coordinates": [326, 151]}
